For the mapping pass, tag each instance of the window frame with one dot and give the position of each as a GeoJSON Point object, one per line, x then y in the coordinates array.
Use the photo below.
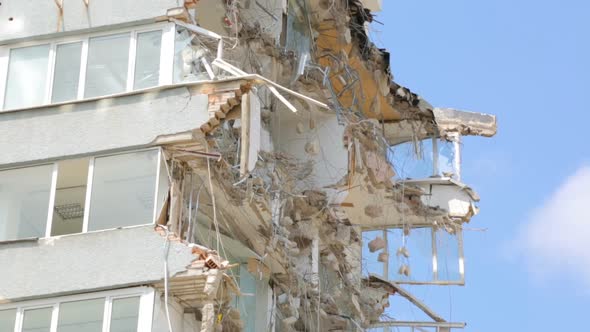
{"type": "Point", "coordinates": [145, 316]}
{"type": "Point", "coordinates": [434, 153]}
{"type": "Point", "coordinates": [436, 278]}
{"type": "Point", "coordinates": [88, 198]}
{"type": "Point", "coordinates": [166, 60]}
{"type": "Point", "coordinates": [51, 71]}
{"type": "Point", "coordinates": [52, 189]}
{"type": "Point", "coordinates": [88, 194]}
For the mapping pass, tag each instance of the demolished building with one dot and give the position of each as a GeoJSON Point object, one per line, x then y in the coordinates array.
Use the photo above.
{"type": "Point", "coordinates": [219, 166]}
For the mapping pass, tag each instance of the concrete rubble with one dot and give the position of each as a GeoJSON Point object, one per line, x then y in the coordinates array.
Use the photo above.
{"type": "Point", "coordinates": [303, 230]}
{"type": "Point", "coordinates": [291, 167]}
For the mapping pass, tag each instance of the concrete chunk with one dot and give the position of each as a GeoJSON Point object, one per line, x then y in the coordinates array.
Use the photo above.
{"type": "Point", "coordinates": [376, 244]}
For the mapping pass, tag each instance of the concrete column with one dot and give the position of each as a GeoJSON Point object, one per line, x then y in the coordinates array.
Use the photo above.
{"type": "Point", "coordinates": [315, 273]}
{"type": "Point", "coordinates": [208, 317]}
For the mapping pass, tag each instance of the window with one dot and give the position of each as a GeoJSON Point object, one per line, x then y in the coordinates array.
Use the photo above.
{"type": "Point", "coordinates": [191, 61]}
{"type": "Point", "coordinates": [125, 310]}
{"type": "Point", "coordinates": [297, 37]}
{"type": "Point", "coordinates": [24, 201]}
{"type": "Point", "coordinates": [125, 314]}
{"type": "Point", "coordinates": [27, 76]}
{"type": "Point", "coordinates": [67, 72]}
{"type": "Point", "coordinates": [427, 158]}
{"type": "Point", "coordinates": [254, 301]}
{"type": "Point", "coordinates": [419, 255]}
{"type": "Point", "coordinates": [108, 59]}
{"type": "Point", "coordinates": [147, 65]}
{"type": "Point", "coordinates": [83, 315]}
{"type": "Point", "coordinates": [79, 195]}
{"type": "Point", "coordinates": [37, 320]}
{"type": "Point", "coordinates": [7, 319]}
{"type": "Point", "coordinates": [91, 66]}
{"type": "Point", "coordinates": [247, 302]}
{"type": "Point", "coordinates": [162, 188]}
{"type": "Point", "coordinates": [123, 190]}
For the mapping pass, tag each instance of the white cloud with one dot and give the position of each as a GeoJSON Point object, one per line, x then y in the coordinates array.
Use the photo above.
{"type": "Point", "coordinates": [556, 239]}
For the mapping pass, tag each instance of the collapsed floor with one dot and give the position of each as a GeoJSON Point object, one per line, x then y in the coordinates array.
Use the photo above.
{"type": "Point", "coordinates": [298, 189]}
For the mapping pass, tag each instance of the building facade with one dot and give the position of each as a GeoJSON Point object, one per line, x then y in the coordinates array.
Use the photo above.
{"type": "Point", "coordinates": [218, 165]}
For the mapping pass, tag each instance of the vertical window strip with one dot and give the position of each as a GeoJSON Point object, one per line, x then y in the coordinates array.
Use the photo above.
{"type": "Point", "coordinates": [83, 68]}
{"type": "Point", "coordinates": [147, 67]}
{"type": "Point", "coordinates": [88, 196]}
{"type": "Point", "coordinates": [51, 200]}
{"type": "Point", "coordinates": [27, 77]}
{"type": "Point", "coordinates": [66, 72]}
{"type": "Point", "coordinates": [3, 74]}
{"type": "Point", "coordinates": [131, 61]}
{"type": "Point", "coordinates": [50, 74]}
{"type": "Point", "coordinates": [167, 55]}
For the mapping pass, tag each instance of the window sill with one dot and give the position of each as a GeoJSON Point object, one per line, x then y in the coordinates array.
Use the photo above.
{"type": "Point", "coordinates": [37, 239]}
{"type": "Point", "coordinates": [25, 240]}
{"type": "Point", "coordinates": [130, 93]}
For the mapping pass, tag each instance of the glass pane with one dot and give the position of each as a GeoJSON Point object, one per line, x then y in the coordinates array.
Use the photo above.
{"type": "Point", "coordinates": [446, 159]}
{"type": "Point", "coordinates": [27, 76]}
{"type": "Point", "coordinates": [108, 59]}
{"type": "Point", "coordinates": [188, 65]}
{"type": "Point", "coordinates": [412, 160]}
{"type": "Point", "coordinates": [81, 316]}
{"type": "Point", "coordinates": [410, 256]}
{"type": "Point", "coordinates": [147, 62]}
{"type": "Point", "coordinates": [125, 315]}
{"type": "Point", "coordinates": [37, 320]}
{"type": "Point", "coordinates": [24, 202]}
{"type": "Point", "coordinates": [297, 38]}
{"type": "Point", "coordinates": [182, 41]}
{"type": "Point", "coordinates": [163, 186]}
{"type": "Point", "coordinates": [123, 190]}
{"type": "Point", "coordinates": [447, 253]}
{"type": "Point", "coordinates": [247, 302]}
{"type": "Point", "coordinates": [7, 319]}
{"type": "Point", "coordinates": [67, 72]}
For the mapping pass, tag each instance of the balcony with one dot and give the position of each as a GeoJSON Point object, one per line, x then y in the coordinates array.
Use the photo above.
{"type": "Point", "coordinates": [82, 195]}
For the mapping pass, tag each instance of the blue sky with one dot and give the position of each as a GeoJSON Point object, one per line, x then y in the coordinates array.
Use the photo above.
{"type": "Point", "coordinates": [528, 62]}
